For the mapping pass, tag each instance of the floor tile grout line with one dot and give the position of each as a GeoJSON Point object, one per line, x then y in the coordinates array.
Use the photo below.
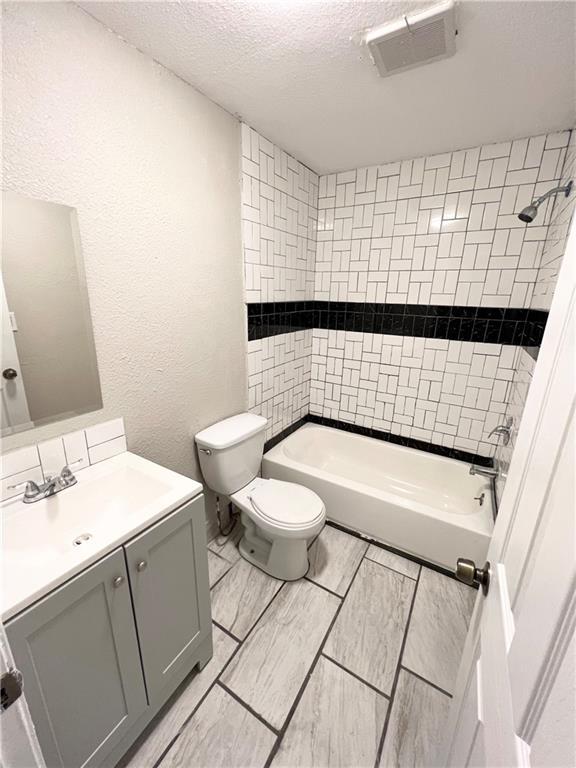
{"type": "Point", "coordinates": [227, 571]}
{"type": "Point", "coordinates": [202, 698]}
{"type": "Point", "coordinates": [317, 583]}
{"type": "Point", "coordinates": [412, 558]}
{"type": "Point", "coordinates": [353, 674]}
{"type": "Point", "coordinates": [388, 568]}
{"type": "Point", "coordinates": [326, 589]}
{"type": "Point", "coordinates": [306, 680]}
{"type": "Point", "coordinates": [247, 707]}
{"type": "Point", "coordinates": [219, 556]}
{"type": "Point", "coordinates": [262, 612]}
{"type": "Point", "coordinates": [240, 643]}
{"type": "Point", "coordinates": [412, 578]}
{"type": "Point", "coordinates": [424, 680]}
{"type": "Point", "coordinates": [281, 733]}
{"type": "Point", "coordinates": [396, 675]}
{"type": "Point", "coordinates": [226, 631]}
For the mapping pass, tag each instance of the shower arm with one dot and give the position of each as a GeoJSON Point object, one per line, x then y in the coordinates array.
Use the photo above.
{"type": "Point", "coordinates": [566, 189]}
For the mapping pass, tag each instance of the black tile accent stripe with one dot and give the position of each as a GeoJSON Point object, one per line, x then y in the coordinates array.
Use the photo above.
{"type": "Point", "coordinates": [407, 442]}
{"type": "Point", "coordinates": [495, 325]}
{"type": "Point", "coordinates": [284, 433]}
{"type": "Point", "coordinates": [273, 318]}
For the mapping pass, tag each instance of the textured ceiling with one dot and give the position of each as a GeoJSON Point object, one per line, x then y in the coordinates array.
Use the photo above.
{"type": "Point", "coordinates": [292, 70]}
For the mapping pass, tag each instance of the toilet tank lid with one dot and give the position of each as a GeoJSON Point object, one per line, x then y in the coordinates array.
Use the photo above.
{"type": "Point", "coordinates": [230, 431]}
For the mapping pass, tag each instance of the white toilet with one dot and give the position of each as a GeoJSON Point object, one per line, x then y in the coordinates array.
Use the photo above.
{"type": "Point", "coordinates": [279, 518]}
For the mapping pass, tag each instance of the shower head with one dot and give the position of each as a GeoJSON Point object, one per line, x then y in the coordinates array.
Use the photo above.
{"type": "Point", "coordinates": [529, 213]}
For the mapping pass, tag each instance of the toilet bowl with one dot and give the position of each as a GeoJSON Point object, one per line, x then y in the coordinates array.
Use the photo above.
{"type": "Point", "coordinates": [279, 519]}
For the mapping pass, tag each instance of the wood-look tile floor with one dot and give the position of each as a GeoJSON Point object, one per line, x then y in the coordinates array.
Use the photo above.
{"type": "Point", "coordinates": [352, 666]}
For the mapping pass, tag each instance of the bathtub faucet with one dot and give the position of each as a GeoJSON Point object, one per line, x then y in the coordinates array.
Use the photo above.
{"type": "Point", "coordinates": [484, 471]}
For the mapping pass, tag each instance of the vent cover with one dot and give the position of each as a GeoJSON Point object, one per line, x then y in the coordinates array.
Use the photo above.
{"type": "Point", "coordinates": [414, 40]}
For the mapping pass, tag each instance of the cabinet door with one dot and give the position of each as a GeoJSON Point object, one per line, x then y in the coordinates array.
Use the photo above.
{"type": "Point", "coordinates": [168, 568]}
{"type": "Point", "coordinates": [78, 652]}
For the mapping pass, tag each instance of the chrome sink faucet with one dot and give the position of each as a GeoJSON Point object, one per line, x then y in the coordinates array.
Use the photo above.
{"type": "Point", "coordinates": [52, 485]}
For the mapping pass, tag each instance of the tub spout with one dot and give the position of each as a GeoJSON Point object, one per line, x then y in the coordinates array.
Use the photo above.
{"type": "Point", "coordinates": [484, 471]}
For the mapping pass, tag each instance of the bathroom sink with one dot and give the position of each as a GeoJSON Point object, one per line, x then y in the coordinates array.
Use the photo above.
{"type": "Point", "coordinates": [47, 542]}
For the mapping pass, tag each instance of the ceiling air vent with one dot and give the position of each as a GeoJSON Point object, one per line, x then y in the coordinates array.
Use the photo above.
{"type": "Point", "coordinates": [413, 40]}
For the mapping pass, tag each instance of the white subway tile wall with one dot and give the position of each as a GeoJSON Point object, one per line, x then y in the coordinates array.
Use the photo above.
{"type": "Point", "coordinates": [77, 449]}
{"type": "Point", "coordinates": [440, 229]}
{"type": "Point", "coordinates": [107, 449]}
{"type": "Point", "coordinates": [52, 456]}
{"type": "Point", "coordinates": [100, 433]}
{"type": "Point", "coordinates": [279, 378]}
{"type": "Point", "coordinates": [519, 386]}
{"type": "Point", "coordinates": [555, 243]}
{"type": "Point", "coordinates": [19, 460]}
{"type": "Point", "coordinates": [450, 393]}
{"type": "Point", "coordinates": [434, 230]}
{"type": "Point", "coordinates": [279, 222]}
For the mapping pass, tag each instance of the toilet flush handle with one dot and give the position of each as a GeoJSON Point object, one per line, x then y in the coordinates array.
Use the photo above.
{"type": "Point", "coordinates": [207, 451]}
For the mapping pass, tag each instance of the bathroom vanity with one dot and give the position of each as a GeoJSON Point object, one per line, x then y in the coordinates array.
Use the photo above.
{"type": "Point", "coordinates": [106, 604]}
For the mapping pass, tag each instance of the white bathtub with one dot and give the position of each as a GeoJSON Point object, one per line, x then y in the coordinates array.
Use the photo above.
{"type": "Point", "coordinates": [413, 501]}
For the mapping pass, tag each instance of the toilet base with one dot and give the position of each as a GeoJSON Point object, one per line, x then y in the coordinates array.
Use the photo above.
{"type": "Point", "coordinates": [283, 558]}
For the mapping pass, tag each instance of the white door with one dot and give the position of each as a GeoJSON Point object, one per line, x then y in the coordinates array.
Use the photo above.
{"type": "Point", "coordinates": [515, 699]}
{"type": "Point", "coordinates": [14, 404]}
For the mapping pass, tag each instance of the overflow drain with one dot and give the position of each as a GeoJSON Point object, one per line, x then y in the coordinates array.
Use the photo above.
{"type": "Point", "coordinates": [82, 539]}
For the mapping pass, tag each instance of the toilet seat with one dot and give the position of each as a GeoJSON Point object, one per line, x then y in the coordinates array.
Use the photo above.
{"type": "Point", "coordinates": [288, 504]}
{"type": "Point", "coordinates": [282, 508]}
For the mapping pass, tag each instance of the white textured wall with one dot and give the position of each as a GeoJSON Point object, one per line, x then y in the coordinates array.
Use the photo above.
{"type": "Point", "coordinates": [152, 166]}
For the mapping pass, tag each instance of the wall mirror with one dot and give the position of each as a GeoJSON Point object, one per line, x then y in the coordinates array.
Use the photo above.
{"type": "Point", "coordinates": [48, 358]}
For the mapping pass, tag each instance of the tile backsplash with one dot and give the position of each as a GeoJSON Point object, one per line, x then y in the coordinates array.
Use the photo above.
{"type": "Point", "coordinates": [77, 449]}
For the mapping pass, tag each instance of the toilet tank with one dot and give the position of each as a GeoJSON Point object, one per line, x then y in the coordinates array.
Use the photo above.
{"type": "Point", "coordinates": [230, 452]}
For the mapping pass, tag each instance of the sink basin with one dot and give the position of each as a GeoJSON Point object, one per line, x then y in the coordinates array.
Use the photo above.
{"type": "Point", "coordinates": [47, 542]}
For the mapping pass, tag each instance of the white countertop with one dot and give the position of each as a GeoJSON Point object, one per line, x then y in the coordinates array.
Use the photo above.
{"type": "Point", "coordinates": [113, 501]}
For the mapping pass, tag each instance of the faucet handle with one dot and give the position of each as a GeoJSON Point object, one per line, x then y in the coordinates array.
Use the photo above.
{"type": "Point", "coordinates": [503, 430]}
{"type": "Point", "coordinates": [31, 488]}
{"type": "Point", "coordinates": [67, 477]}
{"type": "Point", "coordinates": [67, 468]}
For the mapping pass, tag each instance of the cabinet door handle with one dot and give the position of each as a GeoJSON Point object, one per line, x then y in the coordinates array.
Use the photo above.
{"type": "Point", "coordinates": [118, 581]}
{"type": "Point", "coordinates": [142, 565]}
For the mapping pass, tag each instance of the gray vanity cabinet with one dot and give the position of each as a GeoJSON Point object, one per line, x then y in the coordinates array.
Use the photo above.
{"type": "Point", "coordinates": [78, 652]}
{"type": "Point", "coordinates": [168, 573]}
